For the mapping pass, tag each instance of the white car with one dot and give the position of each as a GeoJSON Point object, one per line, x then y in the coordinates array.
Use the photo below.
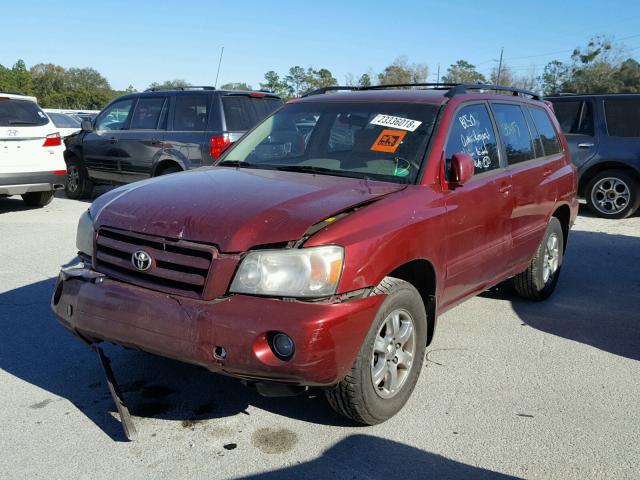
{"type": "Point", "coordinates": [31, 151]}
{"type": "Point", "coordinates": [66, 124]}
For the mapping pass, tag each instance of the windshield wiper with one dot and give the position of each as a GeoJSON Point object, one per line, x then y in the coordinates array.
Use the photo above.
{"type": "Point", "coordinates": [322, 171]}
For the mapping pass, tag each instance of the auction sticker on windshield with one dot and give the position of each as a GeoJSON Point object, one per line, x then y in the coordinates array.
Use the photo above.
{"type": "Point", "coordinates": [395, 122]}
{"type": "Point", "coordinates": [388, 141]}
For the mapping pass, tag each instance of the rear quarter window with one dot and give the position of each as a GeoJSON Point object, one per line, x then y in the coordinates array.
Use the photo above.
{"type": "Point", "coordinates": [548, 135]}
{"type": "Point", "coordinates": [14, 112]}
{"type": "Point", "coordinates": [623, 117]}
{"type": "Point", "coordinates": [243, 112]}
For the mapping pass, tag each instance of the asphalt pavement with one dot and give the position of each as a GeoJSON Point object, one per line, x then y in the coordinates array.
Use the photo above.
{"type": "Point", "coordinates": [510, 388]}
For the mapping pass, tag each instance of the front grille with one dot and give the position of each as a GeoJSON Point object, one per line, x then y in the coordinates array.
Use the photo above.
{"type": "Point", "coordinates": [178, 266]}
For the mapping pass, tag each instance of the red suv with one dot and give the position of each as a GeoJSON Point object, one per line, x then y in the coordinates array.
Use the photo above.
{"type": "Point", "coordinates": [322, 247]}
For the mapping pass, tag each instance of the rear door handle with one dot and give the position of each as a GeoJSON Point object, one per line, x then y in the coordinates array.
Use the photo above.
{"type": "Point", "coordinates": [585, 145]}
{"type": "Point", "coordinates": [546, 173]}
{"type": "Point", "coordinates": [113, 140]}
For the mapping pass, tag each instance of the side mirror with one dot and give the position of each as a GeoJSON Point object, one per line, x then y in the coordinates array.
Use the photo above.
{"type": "Point", "coordinates": [462, 168]}
{"type": "Point", "coordinates": [86, 125]}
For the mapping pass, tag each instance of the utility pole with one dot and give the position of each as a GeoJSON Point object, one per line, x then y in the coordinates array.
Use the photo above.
{"type": "Point", "coordinates": [220, 63]}
{"type": "Point", "coordinates": [500, 66]}
{"type": "Point", "coordinates": [438, 79]}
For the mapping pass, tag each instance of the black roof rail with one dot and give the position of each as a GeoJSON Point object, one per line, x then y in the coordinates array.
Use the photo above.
{"type": "Point", "coordinates": [190, 87]}
{"type": "Point", "coordinates": [463, 88]}
{"type": "Point", "coordinates": [435, 86]}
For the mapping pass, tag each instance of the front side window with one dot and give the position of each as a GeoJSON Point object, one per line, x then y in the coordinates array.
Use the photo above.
{"type": "Point", "coordinates": [147, 113]}
{"type": "Point", "coordinates": [514, 132]}
{"type": "Point", "coordinates": [550, 142]}
{"type": "Point", "coordinates": [115, 116]}
{"type": "Point", "coordinates": [191, 113]}
{"type": "Point", "coordinates": [472, 132]}
{"type": "Point", "coordinates": [623, 117]}
{"type": "Point", "coordinates": [384, 141]}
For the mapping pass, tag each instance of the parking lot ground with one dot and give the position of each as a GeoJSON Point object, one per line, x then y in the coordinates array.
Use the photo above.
{"type": "Point", "coordinates": [510, 388]}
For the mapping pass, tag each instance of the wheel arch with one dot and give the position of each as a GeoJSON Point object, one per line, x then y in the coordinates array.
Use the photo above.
{"type": "Point", "coordinates": [422, 275]}
{"type": "Point", "coordinates": [563, 214]}
{"type": "Point", "coordinates": [593, 170]}
{"type": "Point", "coordinates": [165, 163]}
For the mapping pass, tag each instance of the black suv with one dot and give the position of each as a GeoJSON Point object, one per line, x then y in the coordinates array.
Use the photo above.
{"type": "Point", "coordinates": [603, 133]}
{"type": "Point", "coordinates": [160, 131]}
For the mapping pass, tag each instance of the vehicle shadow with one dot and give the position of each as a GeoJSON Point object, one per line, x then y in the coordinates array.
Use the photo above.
{"type": "Point", "coordinates": [368, 457]}
{"type": "Point", "coordinates": [13, 204]}
{"type": "Point", "coordinates": [596, 300]}
{"type": "Point", "coordinates": [36, 349]}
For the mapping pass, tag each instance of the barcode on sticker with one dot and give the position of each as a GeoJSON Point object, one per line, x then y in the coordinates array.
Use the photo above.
{"type": "Point", "coordinates": [395, 122]}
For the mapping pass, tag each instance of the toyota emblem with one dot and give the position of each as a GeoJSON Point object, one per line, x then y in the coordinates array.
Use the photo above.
{"type": "Point", "coordinates": [141, 260]}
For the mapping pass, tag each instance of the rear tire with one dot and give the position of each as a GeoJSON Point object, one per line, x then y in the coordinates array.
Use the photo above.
{"type": "Point", "coordinates": [613, 194]}
{"type": "Point", "coordinates": [38, 199]}
{"type": "Point", "coordinates": [78, 185]}
{"type": "Point", "coordinates": [388, 364]}
{"type": "Point", "coordinates": [539, 280]}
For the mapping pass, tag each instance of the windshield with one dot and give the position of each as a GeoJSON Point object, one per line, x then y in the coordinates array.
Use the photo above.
{"type": "Point", "coordinates": [382, 141]}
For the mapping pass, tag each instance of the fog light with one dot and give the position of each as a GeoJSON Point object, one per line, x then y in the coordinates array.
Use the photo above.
{"type": "Point", "coordinates": [282, 346]}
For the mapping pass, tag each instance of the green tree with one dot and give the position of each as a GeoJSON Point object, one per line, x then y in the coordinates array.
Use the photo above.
{"type": "Point", "coordinates": [463, 72]}
{"type": "Point", "coordinates": [504, 77]}
{"type": "Point", "coordinates": [236, 86]}
{"type": "Point", "coordinates": [629, 76]}
{"type": "Point", "coordinates": [595, 67]}
{"type": "Point", "coordinates": [274, 84]}
{"type": "Point", "coordinates": [400, 71]}
{"type": "Point", "coordinates": [21, 77]}
{"type": "Point", "coordinates": [364, 80]}
{"type": "Point", "coordinates": [296, 80]}
{"type": "Point", "coordinates": [49, 85]}
{"type": "Point", "coordinates": [177, 83]}
{"type": "Point", "coordinates": [554, 77]}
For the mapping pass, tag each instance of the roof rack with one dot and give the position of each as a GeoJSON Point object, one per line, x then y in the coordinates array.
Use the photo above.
{"type": "Point", "coordinates": [190, 87]}
{"type": "Point", "coordinates": [464, 87]}
{"type": "Point", "coordinates": [452, 88]}
{"type": "Point", "coordinates": [434, 86]}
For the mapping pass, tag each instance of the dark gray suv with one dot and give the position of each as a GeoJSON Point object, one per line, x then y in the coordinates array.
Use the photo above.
{"type": "Point", "coordinates": [603, 133]}
{"type": "Point", "coordinates": [157, 132]}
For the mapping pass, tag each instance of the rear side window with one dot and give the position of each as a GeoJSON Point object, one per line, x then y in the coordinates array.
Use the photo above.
{"type": "Point", "coordinates": [191, 113]}
{"type": "Point", "coordinates": [472, 132]}
{"type": "Point", "coordinates": [550, 142]}
{"type": "Point", "coordinates": [61, 120]}
{"type": "Point", "coordinates": [243, 112]}
{"type": "Point", "coordinates": [21, 113]}
{"type": "Point", "coordinates": [514, 132]}
{"type": "Point", "coordinates": [147, 113]}
{"type": "Point", "coordinates": [623, 117]}
{"type": "Point", "coordinates": [575, 117]}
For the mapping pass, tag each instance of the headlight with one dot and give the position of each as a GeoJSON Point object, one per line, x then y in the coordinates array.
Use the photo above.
{"type": "Point", "coordinates": [85, 234]}
{"type": "Point", "coordinates": [305, 272]}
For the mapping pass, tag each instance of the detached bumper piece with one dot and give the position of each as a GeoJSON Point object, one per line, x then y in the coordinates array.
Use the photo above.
{"type": "Point", "coordinates": [125, 417]}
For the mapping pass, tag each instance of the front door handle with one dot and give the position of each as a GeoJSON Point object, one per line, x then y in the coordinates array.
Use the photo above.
{"type": "Point", "coordinates": [585, 145]}
{"type": "Point", "coordinates": [155, 141]}
{"type": "Point", "coordinates": [505, 190]}
{"type": "Point", "coordinates": [113, 140]}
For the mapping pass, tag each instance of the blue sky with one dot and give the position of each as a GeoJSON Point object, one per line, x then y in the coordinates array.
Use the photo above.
{"type": "Point", "coordinates": [141, 42]}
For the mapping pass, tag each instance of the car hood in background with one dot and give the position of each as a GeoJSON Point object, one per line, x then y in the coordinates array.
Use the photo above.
{"type": "Point", "coordinates": [235, 209]}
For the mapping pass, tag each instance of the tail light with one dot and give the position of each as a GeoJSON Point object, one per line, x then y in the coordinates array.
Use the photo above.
{"type": "Point", "coordinates": [52, 140]}
{"type": "Point", "coordinates": [219, 144]}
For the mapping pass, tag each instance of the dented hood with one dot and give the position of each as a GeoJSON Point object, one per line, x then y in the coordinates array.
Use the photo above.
{"type": "Point", "coordinates": [235, 209]}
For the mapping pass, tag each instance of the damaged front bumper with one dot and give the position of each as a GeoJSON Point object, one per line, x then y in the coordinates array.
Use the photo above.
{"type": "Point", "coordinates": [327, 335]}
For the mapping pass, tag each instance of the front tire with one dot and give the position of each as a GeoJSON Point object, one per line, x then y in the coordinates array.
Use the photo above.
{"type": "Point", "coordinates": [78, 185]}
{"type": "Point", "coordinates": [388, 364]}
{"type": "Point", "coordinates": [613, 194]}
{"type": "Point", "coordinates": [539, 280]}
{"type": "Point", "coordinates": [38, 199]}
